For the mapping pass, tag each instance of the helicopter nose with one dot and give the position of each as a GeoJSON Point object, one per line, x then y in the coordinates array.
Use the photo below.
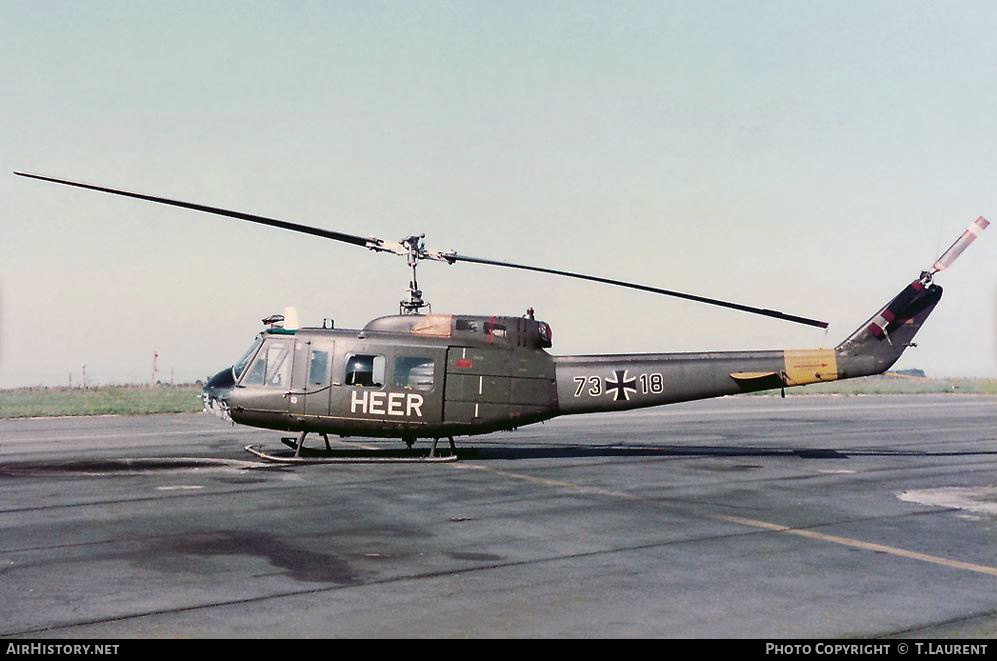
{"type": "Point", "coordinates": [215, 393]}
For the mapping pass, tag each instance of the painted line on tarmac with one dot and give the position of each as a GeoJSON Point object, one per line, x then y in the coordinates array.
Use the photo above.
{"type": "Point", "coordinates": [743, 521]}
{"type": "Point", "coordinates": [859, 544]}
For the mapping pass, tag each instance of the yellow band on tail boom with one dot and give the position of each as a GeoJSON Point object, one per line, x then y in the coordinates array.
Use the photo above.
{"type": "Point", "coordinates": [810, 366]}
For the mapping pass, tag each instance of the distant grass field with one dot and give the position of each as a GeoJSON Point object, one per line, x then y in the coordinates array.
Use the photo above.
{"type": "Point", "coordinates": [101, 400]}
{"type": "Point", "coordinates": [143, 400]}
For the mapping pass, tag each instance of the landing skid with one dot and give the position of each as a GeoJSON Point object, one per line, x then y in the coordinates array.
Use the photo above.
{"type": "Point", "coordinates": [346, 456]}
{"type": "Point", "coordinates": [299, 445]}
{"type": "Point", "coordinates": [370, 453]}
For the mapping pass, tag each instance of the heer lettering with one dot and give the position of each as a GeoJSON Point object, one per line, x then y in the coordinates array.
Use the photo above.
{"type": "Point", "coordinates": [374, 402]}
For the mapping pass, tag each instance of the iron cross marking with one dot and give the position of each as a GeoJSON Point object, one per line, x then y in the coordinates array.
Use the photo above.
{"type": "Point", "coordinates": [622, 385]}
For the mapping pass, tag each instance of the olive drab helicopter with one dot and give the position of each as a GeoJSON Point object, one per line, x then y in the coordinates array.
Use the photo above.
{"type": "Point", "coordinates": [422, 375]}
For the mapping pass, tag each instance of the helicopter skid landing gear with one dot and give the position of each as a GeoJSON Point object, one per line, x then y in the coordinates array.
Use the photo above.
{"type": "Point", "coordinates": [371, 455]}
{"type": "Point", "coordinates": [300, 443]}
{"type": "Point", "coordinates": [453, 448]}
{"type": "Point", "coordinates": [312, 458]}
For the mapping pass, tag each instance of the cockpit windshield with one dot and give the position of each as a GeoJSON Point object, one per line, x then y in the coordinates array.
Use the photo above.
{"type": "Point", "coordinates": [240, 364]}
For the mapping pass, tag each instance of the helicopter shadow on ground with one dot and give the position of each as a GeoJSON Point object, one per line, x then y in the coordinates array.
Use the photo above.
{"type": "Point", "coordinates": [112, 466]}
{"type": "Point", "coordinates": [581, 452]}
{"type": "Point", "coordinates": [616, 451]}
{"type": "Point", "coordinates": [516, 452]}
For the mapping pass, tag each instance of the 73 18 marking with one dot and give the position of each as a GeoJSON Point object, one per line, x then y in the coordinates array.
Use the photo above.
{"type": "Point", "coordinates": [621, 385]}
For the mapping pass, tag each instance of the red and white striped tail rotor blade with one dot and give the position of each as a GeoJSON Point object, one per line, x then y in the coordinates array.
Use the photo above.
{"type": "Point", "coordinates": [961, 244]}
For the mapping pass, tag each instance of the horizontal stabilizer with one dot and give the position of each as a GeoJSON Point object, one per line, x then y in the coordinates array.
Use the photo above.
{"type": "Point", "coordinates": [752, 376]}
{"type": "Point", "coordinates": [755, 381]}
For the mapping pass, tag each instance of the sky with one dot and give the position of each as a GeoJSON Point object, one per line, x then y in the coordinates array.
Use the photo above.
{"type": "Point", "coordinates": [808, 157]}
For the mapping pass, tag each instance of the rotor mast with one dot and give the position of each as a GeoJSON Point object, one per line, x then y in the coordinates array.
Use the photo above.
{"type": "Point", "coordinates": [414, 250]}
{"type": "Point", "coordinates": [415, 303]}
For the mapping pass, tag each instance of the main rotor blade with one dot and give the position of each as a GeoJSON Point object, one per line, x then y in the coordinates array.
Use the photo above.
{"type": "Point", "coordinates": [655, 290]}
{"type": "Point", "coordinates": [263, 220]}
{"type": "Point", "coordinates": [389, 246]}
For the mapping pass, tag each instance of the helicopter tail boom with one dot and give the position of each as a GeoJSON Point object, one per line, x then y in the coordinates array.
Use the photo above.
{"type": "Point", "coordinates": [587, 384]}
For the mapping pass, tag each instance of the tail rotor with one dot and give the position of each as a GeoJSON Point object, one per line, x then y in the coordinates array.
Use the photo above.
{"type": "Point", "coordinates": [956, 249]}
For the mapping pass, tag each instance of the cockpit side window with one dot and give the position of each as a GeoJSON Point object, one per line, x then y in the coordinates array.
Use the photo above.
{"type": "Point", "coordinates": [271, 367]}
{"type": "Point", "coordinates": [278, 364]}
{"type": "Point", "coordinates": [366, 370]}
{"type": "Point", "coordinates": [256, 372]}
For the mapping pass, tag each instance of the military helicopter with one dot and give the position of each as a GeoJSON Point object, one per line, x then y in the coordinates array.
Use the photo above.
{"type": "Point", "coordinates": [422, 375]}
